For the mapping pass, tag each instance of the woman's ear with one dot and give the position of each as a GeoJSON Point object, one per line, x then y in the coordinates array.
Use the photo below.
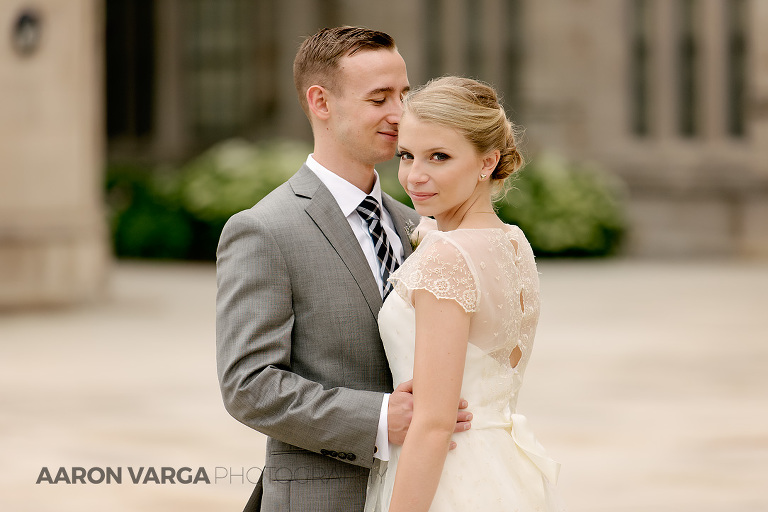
{"type": "Point", "coordinates": [317, 99]}
{"type": "Point", "coordinates": [490, 161]}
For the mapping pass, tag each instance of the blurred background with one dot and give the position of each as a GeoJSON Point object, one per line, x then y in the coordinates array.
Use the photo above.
{"type": "Point", "coordinates": [137, 127]}
{"type": "Point", "coordinates": [130, 130]}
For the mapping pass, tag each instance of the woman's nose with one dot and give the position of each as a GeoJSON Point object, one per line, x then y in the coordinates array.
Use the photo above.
{"type": "Point", "coordinates": [416, 175]}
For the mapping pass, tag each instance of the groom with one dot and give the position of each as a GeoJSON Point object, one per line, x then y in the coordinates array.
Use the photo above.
{"type": "Point", "coordinates": [301, 278]}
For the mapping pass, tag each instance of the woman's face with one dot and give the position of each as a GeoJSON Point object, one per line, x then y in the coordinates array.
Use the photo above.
{"type": "Point", "coordinates": [439, 168]}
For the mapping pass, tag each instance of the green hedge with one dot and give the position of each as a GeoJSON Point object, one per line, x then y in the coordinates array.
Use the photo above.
{"type": "Point", "coordinates": [566, 209]}
{"type": "Point", "coordinates": [178, 213]}
{"type": "Point", "coordinates": [145, 216]}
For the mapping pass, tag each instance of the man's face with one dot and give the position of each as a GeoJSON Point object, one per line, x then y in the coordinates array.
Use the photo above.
{"type": "Point", "coordinates": [366, 105]}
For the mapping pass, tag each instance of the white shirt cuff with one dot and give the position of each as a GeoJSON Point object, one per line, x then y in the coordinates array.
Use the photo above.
{"type": "Point", "coordinates": [382, 437]}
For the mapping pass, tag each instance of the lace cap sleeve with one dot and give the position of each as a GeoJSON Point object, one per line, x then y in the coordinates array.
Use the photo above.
{"type": "Point", "coordinates": [441, 267]}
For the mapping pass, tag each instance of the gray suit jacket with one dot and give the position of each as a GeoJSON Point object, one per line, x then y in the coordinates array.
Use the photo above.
{"type": "Point", "coordinates": [298, 350]}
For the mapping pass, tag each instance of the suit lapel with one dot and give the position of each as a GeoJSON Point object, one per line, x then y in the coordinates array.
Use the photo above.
{"type": "Point", "coordinates": [326, 214]}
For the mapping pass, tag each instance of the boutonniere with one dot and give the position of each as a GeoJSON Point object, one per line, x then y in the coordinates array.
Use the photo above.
{"type": "Point", "coordinates": [416, 233]}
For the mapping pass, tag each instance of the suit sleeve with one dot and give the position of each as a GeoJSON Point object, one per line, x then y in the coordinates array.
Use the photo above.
{"type": "Point", "coordinates": [254, 329]}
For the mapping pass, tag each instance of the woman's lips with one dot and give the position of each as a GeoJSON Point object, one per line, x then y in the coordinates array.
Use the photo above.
{"type": "Point", "coordinates": [420, 196]}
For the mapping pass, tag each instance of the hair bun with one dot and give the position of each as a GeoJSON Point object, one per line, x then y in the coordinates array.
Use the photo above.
{"type": "Point", "coordinates": [511, 159]}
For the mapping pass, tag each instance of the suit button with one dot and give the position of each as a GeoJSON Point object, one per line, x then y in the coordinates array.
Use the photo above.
{"type": "Point", "coordinates": [342, 455]}
{"type": "Point", "coordinates": [334, 453]}
{"type": "Point", "coordinates": [324, 452]}
{"type": "Point", "coordinates": [351, 456]}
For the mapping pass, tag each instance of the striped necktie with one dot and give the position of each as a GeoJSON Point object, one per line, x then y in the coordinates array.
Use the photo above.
{"type": "Point", "coordinates": [370, 211]}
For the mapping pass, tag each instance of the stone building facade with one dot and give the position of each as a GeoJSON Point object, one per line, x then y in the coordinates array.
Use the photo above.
{"type": "Point", "coordinates": [671, 95]}
{"type": "Point", "coordinates": [53, 239]}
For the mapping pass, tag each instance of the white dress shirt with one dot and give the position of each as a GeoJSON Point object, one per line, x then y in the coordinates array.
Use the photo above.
{"type": "Point", "coordinates": [349, 197]}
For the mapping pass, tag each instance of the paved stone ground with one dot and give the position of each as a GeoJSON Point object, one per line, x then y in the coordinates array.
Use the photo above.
{"type": "Point", "coordinates": [648, 383]}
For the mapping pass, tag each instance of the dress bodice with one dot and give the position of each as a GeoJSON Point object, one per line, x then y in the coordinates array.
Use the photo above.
{"type": "Point", "coordinates": [491, 273]}
{"type": "Point", "coordinates": [498, 464]}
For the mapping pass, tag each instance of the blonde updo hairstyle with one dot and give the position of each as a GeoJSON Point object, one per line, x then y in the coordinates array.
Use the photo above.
{"type": "Point", "coordinates": [472, 108]}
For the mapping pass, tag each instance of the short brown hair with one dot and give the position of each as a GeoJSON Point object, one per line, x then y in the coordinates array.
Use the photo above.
{"type": "Point", "coordinates": [317, 61]}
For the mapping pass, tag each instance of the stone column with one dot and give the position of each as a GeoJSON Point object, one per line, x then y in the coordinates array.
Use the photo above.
{"type": "Point", "coordinates": [758, 88]}
{"type": "Point", "coordinates": [714, 70]}
{"type": "Point", "coordinates": [756, 208]}
{"type": "Point", "coordinates": [53, 237]}
{"type": "Point", "coordinates": [664, 125]}
{"type": "Point", "coordinates": [172, 138]}
{"type": "Point", "coordinates": [454, 37]}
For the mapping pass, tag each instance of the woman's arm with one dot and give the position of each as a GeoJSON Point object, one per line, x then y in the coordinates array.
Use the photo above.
{"type": "Point", "coordinates": [442, 331]}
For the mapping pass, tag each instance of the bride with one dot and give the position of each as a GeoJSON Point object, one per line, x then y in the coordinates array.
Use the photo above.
{"type": "Point", "coordinates": [463, 315]}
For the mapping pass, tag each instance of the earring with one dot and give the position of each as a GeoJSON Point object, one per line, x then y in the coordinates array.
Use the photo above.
{"type": "Point", "coordinates": [482, 176]}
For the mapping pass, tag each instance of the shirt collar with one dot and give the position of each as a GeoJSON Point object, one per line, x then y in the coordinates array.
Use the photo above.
{"type": "Point", "coordinates": [346, 194]}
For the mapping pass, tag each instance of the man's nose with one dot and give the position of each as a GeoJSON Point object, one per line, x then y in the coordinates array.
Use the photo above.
{"type": "Point", "coordinates": [395, 111]}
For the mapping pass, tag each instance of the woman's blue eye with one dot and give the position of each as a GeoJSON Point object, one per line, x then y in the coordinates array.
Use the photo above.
{"type": "Point", "coordinates": [403, 155]}
{"type": "Point", "coordinates": [440, 157]}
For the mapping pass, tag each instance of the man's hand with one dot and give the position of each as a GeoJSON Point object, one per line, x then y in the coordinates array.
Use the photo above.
{"type": "Point", "coordinates": [400, 413]}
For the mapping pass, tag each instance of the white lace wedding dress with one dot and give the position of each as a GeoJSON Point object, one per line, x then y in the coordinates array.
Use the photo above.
{"type": "Point", "coordinates": [498, 465]}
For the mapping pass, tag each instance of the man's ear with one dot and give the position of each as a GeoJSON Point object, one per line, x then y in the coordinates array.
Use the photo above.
{"type": "Point", "coordinates": [317, 99]}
